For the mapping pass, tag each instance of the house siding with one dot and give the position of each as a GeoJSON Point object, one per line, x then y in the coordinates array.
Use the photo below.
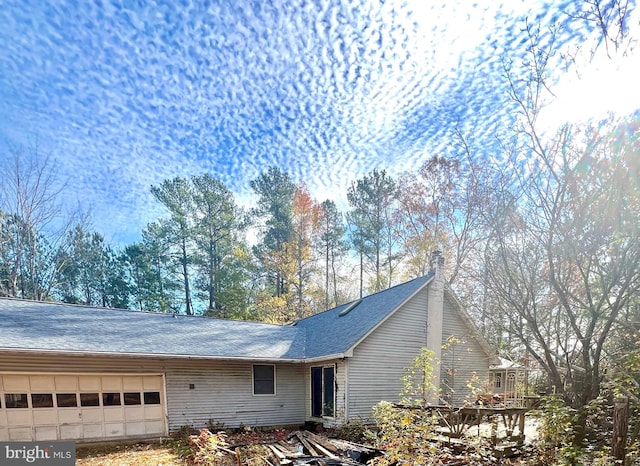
{"type": "Point", "coordinates": [222, 390]}
{"type": "Point", "coordinates": [223, 393]}
{"type": "Point", "coordinates": [462, 362]}
{"type": "Point", "coordinates": [378, 362]}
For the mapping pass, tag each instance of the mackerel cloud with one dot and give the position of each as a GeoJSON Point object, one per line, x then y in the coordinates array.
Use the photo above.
{"type": "Point", "coordinates": [125, 97]}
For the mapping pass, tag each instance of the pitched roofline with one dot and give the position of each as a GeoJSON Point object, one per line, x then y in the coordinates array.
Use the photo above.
{"type": "Point", "coordinates": [152, 355]}
{"type": "Point", "coordinates": [475, 331]}
{"type": "Point", "coordinates": [349, 351]}
{"type": "Point", "coordinates": [165, 315]}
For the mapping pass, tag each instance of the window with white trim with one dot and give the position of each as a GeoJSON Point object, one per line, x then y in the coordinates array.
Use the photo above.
{"type": "Point", "coordinates": [264, 379]}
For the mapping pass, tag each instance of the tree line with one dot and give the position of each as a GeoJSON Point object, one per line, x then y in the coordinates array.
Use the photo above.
{"type": "Point", "coordinates": [196, 259]}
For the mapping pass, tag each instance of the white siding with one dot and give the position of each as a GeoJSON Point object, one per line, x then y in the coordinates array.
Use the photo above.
{"type": "Point", "coordinates": [462, 361]}
{"type": "Point", "coordinates": [223, 393]}
{"type": "Point", "coordinates": [222, 389]}
{"type": "Point", "coordinates": [378, 362]}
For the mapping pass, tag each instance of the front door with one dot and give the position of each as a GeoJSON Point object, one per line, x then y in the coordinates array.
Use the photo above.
{"type": "Point", "coordinates": [323, 391]}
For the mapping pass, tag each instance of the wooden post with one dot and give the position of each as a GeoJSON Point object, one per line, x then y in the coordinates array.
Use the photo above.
{"type": "Point", "coordinates": [494, 429]}
{"type": "Point", "coordinates": [620, 426]}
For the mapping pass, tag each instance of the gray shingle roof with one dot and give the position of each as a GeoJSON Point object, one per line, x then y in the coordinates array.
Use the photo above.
{"type": "Point", "coordinates": [59, 327]}
{"type": "Point", "coordinates": [37, 326]}
{"type": "Point", "coordinates": [330, 333]}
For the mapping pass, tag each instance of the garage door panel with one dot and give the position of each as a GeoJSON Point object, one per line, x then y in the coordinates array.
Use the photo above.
{"type": "Point", "coordinates": [42, 384]}
{"type": "Point", "coordinates": [154, 427]}
{"type": "Point", "coordinates": [153, 412]}
{"type": "Point", "coordinates": [91, 415]}
{"type": "Point", "coordinates": [70, 432]}
{"type": "Point", "coordinates": [111, 383]}
{"type": "Point", "coordinates": [66, 383]}
{"type": "Point", "coordinates": [152, 383]}
{"type": "Point", "coordinates": [15, 383]}
{"type": "Point", "coordinates": [72, 407]}
{"type": "Point", "coordinates": [69, 416]}
{"type": "Point", "coordinates": [46, 433]}
{"type": "Point", "coordinates": [112, 414]}
{"type": "Point", "coordinates": [132, 383]}
{"type": "Point", "coordinates": [113, 429]}
{"type": "Point", "coordinates": [18, 417]}
{"type": "Point", "coordinates": [89, 383]}
{"type": "Point", "coordinates": [20, 434]}
{"type": "Point", "coordinates": [92, 431]}
{"type": "Point", "coordinates": [45, 417]}
{"type": "Point", "coordinates": [134, 428]}
{"type": "Point", "coordinates": [133, 413]}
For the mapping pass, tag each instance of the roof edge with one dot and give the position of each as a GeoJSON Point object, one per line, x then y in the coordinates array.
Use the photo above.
{"type": "Point", "coordinates": [389, 314]}
{"type": "Point", "coordinates": [145, 355]}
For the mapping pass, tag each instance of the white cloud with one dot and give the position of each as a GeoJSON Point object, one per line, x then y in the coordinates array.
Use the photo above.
{"type": "Point", "coordinates": [128, 97]}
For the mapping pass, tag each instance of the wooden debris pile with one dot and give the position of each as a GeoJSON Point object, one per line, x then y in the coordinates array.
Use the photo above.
{"type": "Point", "coordinates": [303, 448]}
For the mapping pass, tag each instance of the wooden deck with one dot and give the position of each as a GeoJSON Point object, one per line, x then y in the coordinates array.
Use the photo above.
{"type": "Point", "coordinates": [502, 426]}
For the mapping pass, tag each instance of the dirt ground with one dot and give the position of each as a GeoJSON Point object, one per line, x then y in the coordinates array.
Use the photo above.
{"type": "Point", "coordinates": [138, 454]}
{"type": "Point", "coordinates": [171, 451]}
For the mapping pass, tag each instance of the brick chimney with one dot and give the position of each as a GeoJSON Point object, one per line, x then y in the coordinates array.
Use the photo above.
{"type": "Point", "coordinates": [437, 262]}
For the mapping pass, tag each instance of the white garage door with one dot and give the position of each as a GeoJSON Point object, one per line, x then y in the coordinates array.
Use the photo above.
{"type": "Point", "coordinates": [80, 407]}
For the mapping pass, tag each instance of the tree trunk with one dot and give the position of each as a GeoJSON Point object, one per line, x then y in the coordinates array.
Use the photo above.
{"type": "Point", "coordinates": [185, 273]}
{"type": "Point", "coordinates": [326, 277]}
{"type": "Point", "coordinates": [212, 272]}
{"type": "Point", "coordinates": [361, 271]}
{"type": "Point", "coordinates": [620, 426]}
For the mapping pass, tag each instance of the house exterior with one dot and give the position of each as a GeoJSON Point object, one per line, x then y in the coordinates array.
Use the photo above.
{"type": "Point", "coordinates": [70, 372]}
{"type": "Point", "coordinates": [508, 382]}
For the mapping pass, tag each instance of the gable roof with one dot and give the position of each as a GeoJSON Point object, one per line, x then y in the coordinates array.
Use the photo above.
{"type": "Point", "coordinates": [63, 328]}
{"type": "Point", "coordinates": [53, 327]}
{"type": "Point", "coordinates": [338, 330]}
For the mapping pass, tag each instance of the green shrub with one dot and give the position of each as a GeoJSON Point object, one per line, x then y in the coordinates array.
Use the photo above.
{"type": "Point", "coordinates": [555, 433]}
{"type": "Point", "coordinates": [406, 435]}
{"type": "Point", "coordinates": [354, 430]}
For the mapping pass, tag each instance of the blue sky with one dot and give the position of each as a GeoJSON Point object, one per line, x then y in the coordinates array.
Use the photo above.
{"type": "Point", "coordinates": [126, 94]}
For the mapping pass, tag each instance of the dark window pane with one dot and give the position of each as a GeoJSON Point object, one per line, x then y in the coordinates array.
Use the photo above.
{"type": "Point", "coordinates": [316, 391]}
{"type": "Point", "coordinates": [152, 398]}
{"type": "Point", "coordinates": [41, 400]}
{"type": "Point", "coordinates": [264, 380]}
{"type": "Point", "coordinates": [111, 399]}
{"type": "Point", "coordinates": [66, 400]}
{"type": "Point", "coordinates": [132, 398]}
{"type": "Point", "coordinates": [89, 399]}
{"type": "Point", "coordinates": [328, 375]}
{"type": "Point", "coordinates": [15, 400]}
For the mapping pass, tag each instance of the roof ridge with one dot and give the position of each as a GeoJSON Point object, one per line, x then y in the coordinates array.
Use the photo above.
{"type": "Point", "coordinates": [364, 297]}
{"type": "Point", "coordinates": [116, 309]}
